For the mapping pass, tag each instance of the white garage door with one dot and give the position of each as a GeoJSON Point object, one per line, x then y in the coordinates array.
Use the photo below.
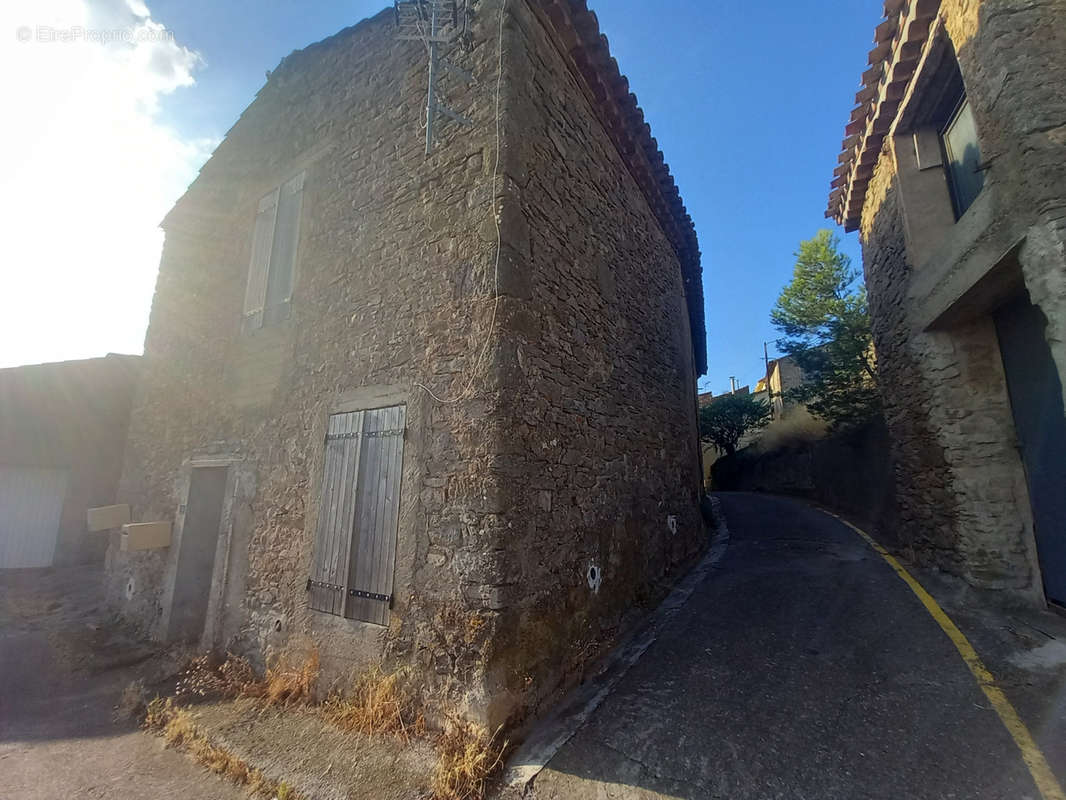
{"type": "Point", "coordinates": [31, 502]}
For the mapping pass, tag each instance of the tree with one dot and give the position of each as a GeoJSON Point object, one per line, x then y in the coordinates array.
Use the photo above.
{"type": "Point", "coordinates": [725, 419]}
{"type": "Point", "coordinates": [825, 320]}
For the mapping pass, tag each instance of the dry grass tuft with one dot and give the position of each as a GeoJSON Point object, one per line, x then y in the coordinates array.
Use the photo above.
{"type": "Point", "coordinates": [133, 703]}
{"type": "Point", "coordinates": [234, 677]}
{"type": "Point", "coordinates": [205, 676]}
{"type": "Point", "coordinates": [468, 760]}
{"type": "Point", "coordinates": [179, 730]}
{"type": "Point", "coordinates": [378, 703]}
{"type": "Point", "coordinates": [286, 685]}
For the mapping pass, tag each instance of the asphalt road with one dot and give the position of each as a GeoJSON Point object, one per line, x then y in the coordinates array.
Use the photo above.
{"type": "Point", "coordinates": [801, 667]}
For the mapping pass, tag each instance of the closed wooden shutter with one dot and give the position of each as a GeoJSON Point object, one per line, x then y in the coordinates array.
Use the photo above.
{"type": "Point", "coordinates": [333, 534]}
{"type": "Point", "coordinates": [259, 267]}
{"type": "Point", "coordinates": [355, 538]}
{"type": "Point", "coordinates": [376, 516]}
{"type": "Point", "coordinates": [286, 240]}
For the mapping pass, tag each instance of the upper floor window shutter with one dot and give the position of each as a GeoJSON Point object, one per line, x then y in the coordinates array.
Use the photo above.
{"type": "Point", "coordinates": [259, 268]}
{"type": "Point", "coordinates": [286, 239]}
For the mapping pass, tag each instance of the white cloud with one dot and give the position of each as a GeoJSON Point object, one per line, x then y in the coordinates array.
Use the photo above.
{"type": "Point", "coordinates": [89, 173]}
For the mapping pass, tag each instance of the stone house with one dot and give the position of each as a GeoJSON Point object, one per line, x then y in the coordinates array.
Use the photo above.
{"type": "Point", "coordinates": [434, 412]}
{"type": "Point", "coordinates": [62, 433]}
{"type": "Point", "coordinates": [954, 173]}
{"type": "Point", "coordinates": [784, 374]}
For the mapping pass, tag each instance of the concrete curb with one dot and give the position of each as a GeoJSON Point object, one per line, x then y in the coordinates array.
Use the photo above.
{"type": "Point", "coordinates": [555, 730]}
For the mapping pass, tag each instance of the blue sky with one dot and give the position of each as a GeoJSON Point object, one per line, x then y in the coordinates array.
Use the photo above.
{"type": "Point", "coordinates": [747, 100]}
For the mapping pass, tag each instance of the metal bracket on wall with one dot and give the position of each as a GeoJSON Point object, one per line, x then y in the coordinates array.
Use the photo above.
{"type": "Point", "coordinates": [322, 585]}
{"type": "Point", "coordinates": [435, 23]}
{"type": "Point", "coordinates": [384, 598]}
{"type": "Point", "coordinates": [366, 434]}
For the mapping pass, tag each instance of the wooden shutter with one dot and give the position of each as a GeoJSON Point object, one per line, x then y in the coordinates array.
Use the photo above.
{"type": "Point", "coordinates": [328, 582]}
{"type": "Point", "coordinates": [377, 508]}
{"type": "Point", "coordinates": [286, 240]}
{"type": "Point", "coordinates": [259, 268]}
{"type": "Point", "coordinates": [355, 539]}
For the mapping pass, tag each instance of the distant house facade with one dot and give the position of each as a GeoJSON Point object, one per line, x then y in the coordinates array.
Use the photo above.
{"type": "Point", "coordinates": [954, 172]}
{"type": "Point", "coordinates": [783, 374]}
{"type": "Point", "coordinates": [426, 411]}
{"type": "Point", "coordinates": [62, 434]}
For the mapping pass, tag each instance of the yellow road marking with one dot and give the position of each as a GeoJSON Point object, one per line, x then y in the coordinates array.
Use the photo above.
{"type": "Point", "coordinates": [1046, 782]}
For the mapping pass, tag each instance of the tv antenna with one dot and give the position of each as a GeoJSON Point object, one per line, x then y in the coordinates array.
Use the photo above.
{"type": "Point", "coordinates": [437, 25]}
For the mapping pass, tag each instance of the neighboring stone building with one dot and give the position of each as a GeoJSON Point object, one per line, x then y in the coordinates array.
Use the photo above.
{"type": "Point", "coordinates": [362, 447]}
{"type": "Point", "coordinates": [954, 172]}
{"type": "Point", "coordinates": [62, 433]}
{"type": "Point", "coordinates": [785, 374]}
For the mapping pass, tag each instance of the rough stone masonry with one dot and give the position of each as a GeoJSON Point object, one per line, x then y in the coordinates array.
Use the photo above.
{"type": "Point", "coordinates": [937, 279]}
{"type": "Point", "coordinates": [537, 509]}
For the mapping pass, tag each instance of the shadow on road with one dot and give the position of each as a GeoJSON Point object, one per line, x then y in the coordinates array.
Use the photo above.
{"type": "Point", "coordinates": [801, 667]}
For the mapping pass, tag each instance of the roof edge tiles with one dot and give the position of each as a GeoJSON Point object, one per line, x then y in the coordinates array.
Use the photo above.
{"type": "Point", "coordinates": [898, 42]}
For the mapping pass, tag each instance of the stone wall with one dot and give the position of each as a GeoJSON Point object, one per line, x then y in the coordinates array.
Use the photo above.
{"type": "Point", "coordinates": [393, 288]}
{"type": "Point", "coordinates": [851, 471]}
{"type": "Point", "coordinates": [70, 415]}
{"type": "Point", "coordinates": [963, 500]}
{"type": "Point", "coordinates": [599, 376]}
{"type": "Point", "coordinates": [526, 458]}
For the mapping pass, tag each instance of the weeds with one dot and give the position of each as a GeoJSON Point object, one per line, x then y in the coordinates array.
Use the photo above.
{"type": "Point", "coordinates": [234, 677]}
{"type": "Point", "coordinates": [467, 760]}
{"type": "Point", "coordinates": [179, 730]}
{"type": "Point", "coordinates": [285, 685]}
{"type": "Point", "coordinates": [378, 703]}
{"type": "Point", "coordinates": [205, 676]}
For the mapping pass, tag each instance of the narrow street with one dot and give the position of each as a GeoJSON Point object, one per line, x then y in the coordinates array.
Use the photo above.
{"type": "Point", "coordinates": [803, 667]}
{"type": "Point", "coordinates": [62, 671]}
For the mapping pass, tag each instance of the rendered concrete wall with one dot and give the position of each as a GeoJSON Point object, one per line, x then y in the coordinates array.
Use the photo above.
{"type": "Point", "coordinates": [70, 415]}
{"type": "Point", "coordinates": [508, 489]}
{"type": "Point", "coordinates": [963, 500]}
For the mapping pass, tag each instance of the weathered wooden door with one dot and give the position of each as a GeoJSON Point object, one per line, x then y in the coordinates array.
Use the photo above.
{"type": "Point", "coordinates": [1036, 401]}
{"type": "Point", "coordinates": [196, 553]}
{"type": "Point", "coordinates": [354, 557]}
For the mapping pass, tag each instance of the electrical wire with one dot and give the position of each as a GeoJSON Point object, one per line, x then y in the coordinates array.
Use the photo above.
{"type": "Point", "coordinates": [465, 393]}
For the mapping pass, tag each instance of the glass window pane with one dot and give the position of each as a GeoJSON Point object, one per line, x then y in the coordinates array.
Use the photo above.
{"type": "Point", "coordinates": [964, 158]}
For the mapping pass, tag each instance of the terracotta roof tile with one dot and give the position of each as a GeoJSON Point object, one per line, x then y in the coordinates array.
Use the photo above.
{"type": "Point", "coordinates": [898, 40]}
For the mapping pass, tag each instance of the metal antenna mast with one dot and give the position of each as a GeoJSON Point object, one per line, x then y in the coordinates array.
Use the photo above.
{"type": "Point", "coordinates": [435, 23]}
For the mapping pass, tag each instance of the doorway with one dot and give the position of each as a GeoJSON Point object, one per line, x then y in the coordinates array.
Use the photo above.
{"type": "Point", "coordinates": [1036, 401]}
{"type": "Point", "coordinates": [196, 554]}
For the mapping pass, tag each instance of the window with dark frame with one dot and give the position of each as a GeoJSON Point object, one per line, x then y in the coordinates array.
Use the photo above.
{"type": "Point", "coordinates": [273, 263]}
{"type": "Point", "coordinates": [354, 550]}
{"type": "Point", "coordinates": [962, 157]}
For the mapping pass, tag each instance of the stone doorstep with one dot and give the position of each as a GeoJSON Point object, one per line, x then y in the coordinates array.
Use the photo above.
{"type": "Point", "coordinates": [317, 760]}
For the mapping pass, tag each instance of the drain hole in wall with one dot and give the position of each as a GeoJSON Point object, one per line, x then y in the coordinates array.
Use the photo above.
{"type": "Point", "coordinates": [129, 589]}
{"type": "Point", "coordinates": [594, 577]}
{"type": "Point", "coordinates": [277, 625]}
